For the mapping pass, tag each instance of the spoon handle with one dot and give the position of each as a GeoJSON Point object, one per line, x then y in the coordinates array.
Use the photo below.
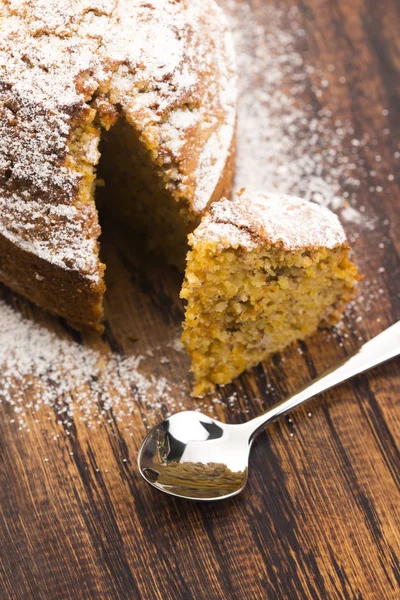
{"type": "Point", "coordinates": [381, 348]}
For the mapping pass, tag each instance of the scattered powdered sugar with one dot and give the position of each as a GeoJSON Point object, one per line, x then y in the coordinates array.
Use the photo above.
{"type": "Point", "coordinates": [283, 145]}
{"type": "Point", "coordinates": [75, 381]}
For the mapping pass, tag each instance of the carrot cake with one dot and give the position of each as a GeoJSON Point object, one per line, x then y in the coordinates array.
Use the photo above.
{"type": "Point", "coordinates": [263, 271]}
{"type": "Point", "coordinates": [138, 95]}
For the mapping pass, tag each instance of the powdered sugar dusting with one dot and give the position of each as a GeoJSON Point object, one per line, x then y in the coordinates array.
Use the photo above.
{"type": "Point", "coordinates": [157, 62]}
{"type": "Point", "coordinates": [254, 218]}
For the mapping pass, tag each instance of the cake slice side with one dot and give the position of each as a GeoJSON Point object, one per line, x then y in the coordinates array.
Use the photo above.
{"type": "Point", "coordinates": [49, 230]}
{"type": "Point", "coordinates": [262, 273]}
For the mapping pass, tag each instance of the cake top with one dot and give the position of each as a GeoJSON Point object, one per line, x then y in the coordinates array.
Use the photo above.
{"type": "Point", "coordinates": [254, 218]}
{"type": "Point", "coordinates": [166, 66]}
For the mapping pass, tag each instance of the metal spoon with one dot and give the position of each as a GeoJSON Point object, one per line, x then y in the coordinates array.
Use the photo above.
{"type": "Point", "coordinates": [193, 456]}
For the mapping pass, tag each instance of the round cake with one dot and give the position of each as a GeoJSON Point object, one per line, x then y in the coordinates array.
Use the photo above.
{"type": "Point", "coordinates": [136, 99]}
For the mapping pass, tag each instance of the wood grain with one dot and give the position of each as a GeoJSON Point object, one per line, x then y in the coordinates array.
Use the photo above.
{"type": "Point", "coordinates": [320, 518]}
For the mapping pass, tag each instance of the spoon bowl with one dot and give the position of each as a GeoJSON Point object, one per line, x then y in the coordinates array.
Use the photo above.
{"type": "Point", "coordinates": [193, 456]}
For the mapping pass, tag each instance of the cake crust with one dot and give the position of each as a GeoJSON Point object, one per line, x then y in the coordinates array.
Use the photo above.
{"type": "Point", "coordinates": [254, 218]}
{"type": "Point", "coordinates": [44, 283]}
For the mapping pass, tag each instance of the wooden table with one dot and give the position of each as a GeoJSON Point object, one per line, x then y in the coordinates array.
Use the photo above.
{"type": "Point", "coordinates": [321, 515]}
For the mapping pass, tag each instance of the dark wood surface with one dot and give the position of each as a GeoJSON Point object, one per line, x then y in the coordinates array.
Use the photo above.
{"type": "Point", "coordinates": [320, 518]}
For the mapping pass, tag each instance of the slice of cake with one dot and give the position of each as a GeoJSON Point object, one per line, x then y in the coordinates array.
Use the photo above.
{"type": "Point", "coordinates": [263, 270]}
